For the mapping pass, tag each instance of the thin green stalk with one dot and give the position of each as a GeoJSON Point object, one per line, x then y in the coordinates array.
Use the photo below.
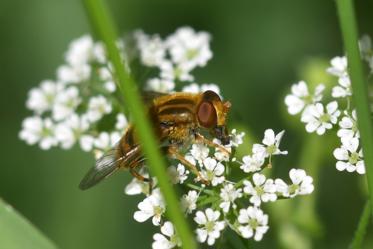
{"type": "Point", "coordinates": [207, 191]}
{"type": "Point", "coordinates": [360, 232]}
{"type": "Point", "coordinates": [359, 87]}
{"type": "Point", "coordinates": [103, 24]}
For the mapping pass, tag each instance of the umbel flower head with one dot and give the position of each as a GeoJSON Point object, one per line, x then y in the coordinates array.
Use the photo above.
{"type": "Point", "coordinates": [224, 203]}
{"type": "Point", "coordinates": [81, 106]}
{"type": "Point", "coordinates": [319, 117]}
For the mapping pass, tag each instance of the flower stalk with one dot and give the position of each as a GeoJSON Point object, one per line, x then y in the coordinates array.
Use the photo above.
{"type": "Point", "coordinates": [361, 229]}
{"type": "Point", "coordinates": [359, 87]}
{"type": "Point", "coordinates": [103, 25]}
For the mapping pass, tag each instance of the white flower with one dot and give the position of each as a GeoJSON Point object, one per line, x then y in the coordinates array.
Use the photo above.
{"type": "Point", "coordinates": [80, 51]}
{"type": "Point", "coordinates": [190, 159]}
{"type": "Point", "coordinates": [99, 53]}
{"type": "Point", "coordinates": [262, 189]}
{"type": "Point", "coordinates": [191, 88]}
{"type": "Point", "coordinates": [70, 130]}
{"type": "Point", "coordinates": [236, 138]}
{"type": "Point", "coordinates": [66, 103]}
{"type": "Point", "coordinates": [344, 88]}
{"type": "Point", "coordinates": [110, 86]}
{"type": "Point", "coordinates": [253, 163]}
{"type": "Point", "coordinates": [281, 188]}
{"type": "Point", "coordinates": [271, 144]}
{"type": "Point", "coordinates": [228, 195]}
{"type": "Point", "coordinates": [105, 73]}
{"type": "Point", "coordinates": [318, 120]}
{"type": "Point", "coordinates": [160, 85]}
{"type": "Point", "coordinates": [301, 184]}
{"type": "Point", "coordinates": [365, 44]}
{"type": "Point", "coordinates": [213, 171]}
{"type": "Point", "coordinates": [86, 142]}
{"type": "Point", "coordinates": [167, 239]}
{"type": "Point", "coordinates": [178, 174]}
{"type": "Point", "coordinates": [152, 49]}
{"type": "Point", "coordinates": [300, 97]}
{"type": "Point", "coordinates": [199, 152]}
{"type": "Point", "coordinates": [253, 223]}
{"type": "Point", "coordinates": [189, 201]}
{"type": "Point", "coordinates": [106, 141]}
{"type": "Point", "coordinates": [97, 107]}
{"type": "Point", "coordinates": [195, 88]}
{"type": "Point", "coordinates": [73, 74]}
{"type": "Point", "coordinates": [348, 156]}
{"type": "Point", "coordinates": [339, 67]}
{"type": "Point", "coordinates": [348, 126]}
{"type": "Point", "coordinates": [122, 122]}
{"type": "Point", "coordinates": [38, 130]}
{"type": "Point", "coordinates": [136, 186]}
{"type": "Point", "coordinates": [172, 72]}
{"type": "Point", "coordinates": [41, 99]}
{"type": "Point", "coordinates": [220, 154]}
{"type": "Point", "coordinates": [151, 206]}
{"type": "Point", "coordinates": [189, 47]}
{"type": "Point", "coordinates": [370, 62]}
{"type": "Point", "coordinates": [209, 224]}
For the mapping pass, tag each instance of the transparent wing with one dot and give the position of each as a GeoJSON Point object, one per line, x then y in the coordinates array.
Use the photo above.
{"type": "Point", "coordinates": [108, 164]}
{"type": "Point", "coordinates": [104, 167]}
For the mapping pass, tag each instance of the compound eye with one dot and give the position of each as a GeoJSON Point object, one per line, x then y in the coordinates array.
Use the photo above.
{"type": "Point", "coordinates": [207, 115]}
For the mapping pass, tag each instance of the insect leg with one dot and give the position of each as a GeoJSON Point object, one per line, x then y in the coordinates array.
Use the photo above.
{"type": "Point", "coordinates": [173, 152]}
{"type": "Point", "coordinates": [138, 176]}
{"type": "Point", "coordinates": [142, 178]}
{"type": "Point", "coordinates": [202, 139]}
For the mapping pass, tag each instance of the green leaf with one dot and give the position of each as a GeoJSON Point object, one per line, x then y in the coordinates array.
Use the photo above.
{"type": "Point", "coordinates": [18, 233]}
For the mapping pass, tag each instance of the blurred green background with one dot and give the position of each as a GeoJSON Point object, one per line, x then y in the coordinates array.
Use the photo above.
{"type": "Point", "coordinates": [260, 48]}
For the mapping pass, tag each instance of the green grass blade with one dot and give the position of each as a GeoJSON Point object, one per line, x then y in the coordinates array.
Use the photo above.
{"type": "Point", "coordinates": [360, 232]}
{"type": "Point", "coordinates": [18, 233]}
{"type": "Point", "coordinates": [104, 26]}
{"type": "Point", "coordinates": [359, 87]}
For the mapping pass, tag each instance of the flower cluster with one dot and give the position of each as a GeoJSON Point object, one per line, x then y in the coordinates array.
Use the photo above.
{"type": "Point", "coordinates": [319, 117]}
{"type": "Point", "coordinates": [174, 58]}
{"type": "Point", "coordinates": [70, 109]}
{"type": "Point", "coordinates": [224, 203]}
{"type": "Point", "coordinates": [81, 106]}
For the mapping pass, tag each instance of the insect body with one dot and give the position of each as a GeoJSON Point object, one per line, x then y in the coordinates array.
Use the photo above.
{"type": "Point", "coordinates": [178, 120]}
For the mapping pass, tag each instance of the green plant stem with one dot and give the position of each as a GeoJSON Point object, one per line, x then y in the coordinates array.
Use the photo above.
{"type": "Point", "coordinates": [359, 87]}
{"type": "Point", "coordinates": [208, 200]}
{"type": "Point", "coordinates": [207, 191]}
{"type": "Point", "coordinates": [361, 228]}
{"type": "Point", "coordinates": [102, 23]}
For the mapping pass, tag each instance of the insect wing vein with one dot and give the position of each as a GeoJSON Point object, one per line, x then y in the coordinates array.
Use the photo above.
{"type": "Point", "coordinates": [104, 167]}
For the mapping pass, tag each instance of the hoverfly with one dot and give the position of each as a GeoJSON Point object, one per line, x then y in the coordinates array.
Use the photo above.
{"type": "Point", "coordinates": [178, 120]}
